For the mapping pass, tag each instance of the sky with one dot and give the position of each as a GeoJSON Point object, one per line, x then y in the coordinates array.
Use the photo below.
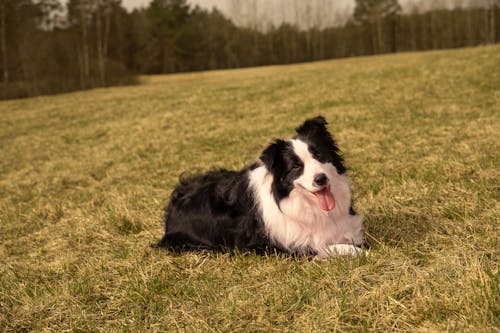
{"type": "Point", "coordinates": [306, 13]}
{"type": "Point", "coordinates": [269, 11]}
{"type": "Point", "coordinates": [225, 4]}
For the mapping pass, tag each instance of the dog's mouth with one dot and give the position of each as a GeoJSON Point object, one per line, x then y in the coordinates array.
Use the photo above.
{"type": "Point", "coordinates": [325, 198]}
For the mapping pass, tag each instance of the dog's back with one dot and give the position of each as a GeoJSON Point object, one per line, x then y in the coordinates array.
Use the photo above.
{"type": "Point", "coordinates": [213, 211]}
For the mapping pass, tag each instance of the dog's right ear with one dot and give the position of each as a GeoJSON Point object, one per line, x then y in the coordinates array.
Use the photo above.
{"type": "Point", "coordinates": [272, 156]}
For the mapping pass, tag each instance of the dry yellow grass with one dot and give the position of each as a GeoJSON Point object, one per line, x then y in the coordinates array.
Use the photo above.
{"type": "Point", "coordinates": [84, 178]}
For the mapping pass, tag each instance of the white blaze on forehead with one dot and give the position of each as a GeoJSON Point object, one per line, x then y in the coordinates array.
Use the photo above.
{"type": "Point", "coordinates": [301, 150]}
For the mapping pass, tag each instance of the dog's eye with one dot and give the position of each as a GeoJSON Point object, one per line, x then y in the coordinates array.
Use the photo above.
{"type": "Point", "coordinates": [315, 154]}
{"type": "Point", "coordinates": [296, 167]}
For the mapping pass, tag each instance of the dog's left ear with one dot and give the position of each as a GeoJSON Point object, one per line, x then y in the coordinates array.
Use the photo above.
{"type": "Point", "coordinates": [312, 126]}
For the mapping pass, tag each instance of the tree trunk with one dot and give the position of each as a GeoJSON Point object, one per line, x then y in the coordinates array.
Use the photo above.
{"type": "Point", "coordinates": [80, 67]}
{"type": "Point", "coordinates": [378, 30]}
{"type": "Point", "coordinates": [3, 41]}
{"type": "Point", "coordinates": [492, 22]}
{"type": "Point", "coordinates": [107, 29]}
{"type": "Point", "coordinates": [394, 33]}
{"type": "Point", "coordinates": [85, 46]}
{"type": "Point", "coordinates": [99, 40]}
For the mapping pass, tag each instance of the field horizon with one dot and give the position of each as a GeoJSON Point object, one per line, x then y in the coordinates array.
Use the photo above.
{"type": "Point", "coordinates": [84, 177]}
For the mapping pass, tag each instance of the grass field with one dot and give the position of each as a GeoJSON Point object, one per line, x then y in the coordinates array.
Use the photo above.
{"type": "Point", "coordinates": [84, 178]}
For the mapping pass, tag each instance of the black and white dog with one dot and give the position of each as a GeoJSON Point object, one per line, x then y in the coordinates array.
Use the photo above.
{"type": "Point", "coordinates": [295, 198]}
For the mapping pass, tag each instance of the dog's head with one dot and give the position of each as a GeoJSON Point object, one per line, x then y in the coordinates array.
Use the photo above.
{"type": "Point", "coordinates": [305, 165]}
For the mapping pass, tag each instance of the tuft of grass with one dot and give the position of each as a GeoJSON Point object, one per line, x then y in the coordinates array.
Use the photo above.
{"type": "Point", "coordinates": [84, 178]}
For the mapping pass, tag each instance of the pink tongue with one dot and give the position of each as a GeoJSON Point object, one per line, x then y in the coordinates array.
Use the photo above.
{"type": "Point", "coordinates": [325, 199]}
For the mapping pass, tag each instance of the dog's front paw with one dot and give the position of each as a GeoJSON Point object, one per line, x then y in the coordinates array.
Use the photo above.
{"type": "Point", "coordinates": [336, 250]}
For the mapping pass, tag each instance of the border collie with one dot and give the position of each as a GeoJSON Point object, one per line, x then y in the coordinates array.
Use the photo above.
{"type": "Point", "coordinates": [296, 198]}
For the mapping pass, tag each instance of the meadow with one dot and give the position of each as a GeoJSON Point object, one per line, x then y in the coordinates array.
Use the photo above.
{"type": "Point", "coordinates": [84, 178]}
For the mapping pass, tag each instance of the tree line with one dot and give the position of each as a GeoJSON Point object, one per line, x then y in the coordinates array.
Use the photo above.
{"type": "Point", "coordinates": [47, 47]}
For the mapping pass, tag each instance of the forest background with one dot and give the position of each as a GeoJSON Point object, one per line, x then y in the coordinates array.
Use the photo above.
{"type": "Point", "coordinates": [53, 46]}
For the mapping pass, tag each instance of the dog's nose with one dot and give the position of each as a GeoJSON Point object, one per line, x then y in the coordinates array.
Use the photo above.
{"type": "Point", "coordinates": [320, 179]}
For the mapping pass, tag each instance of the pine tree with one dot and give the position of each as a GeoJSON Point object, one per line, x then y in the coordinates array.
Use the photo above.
{"type": "Point", "coordinates": [375, 13]}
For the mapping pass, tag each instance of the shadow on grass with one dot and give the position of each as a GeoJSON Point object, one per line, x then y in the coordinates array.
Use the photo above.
{"type": "Point", "coordinates": [229, 251]}
{"type": "Point", "coordinates": [396, 228]}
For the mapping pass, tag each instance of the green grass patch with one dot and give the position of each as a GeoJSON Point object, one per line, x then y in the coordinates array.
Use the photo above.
{"type": "Point", "coordinates": [84, 178]}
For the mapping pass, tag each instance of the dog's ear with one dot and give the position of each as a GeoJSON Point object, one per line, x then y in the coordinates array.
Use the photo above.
{"type": "Point", "coordinates": [314, 132]}
{"type": "Point", "coordinates": [312, 127]}
{"type": "Point", "coordinates": [272, 156]}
